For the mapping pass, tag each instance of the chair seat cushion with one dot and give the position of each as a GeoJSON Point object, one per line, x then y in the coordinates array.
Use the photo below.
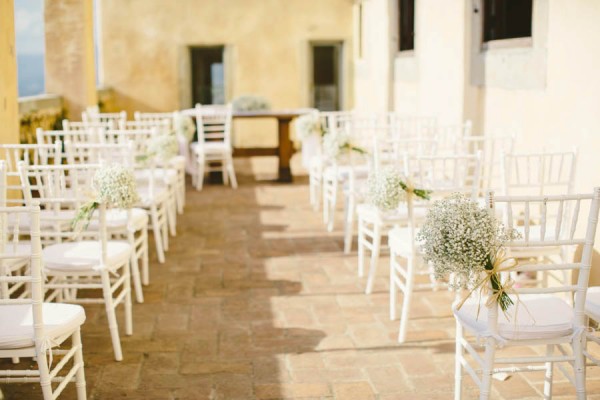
{"type": "Point", "coordinates": [343, 172]}
{"type": "Point", "coordinates": [84, 256]}
{"type": "Point", "coordinates": [159, 195]}
{"type": "Point", "coordinates": [538, 317]}
{"type": "Point", "coordinates": [371, 213]}
{"type": "Point", "coordinates": [166, 175]}
{"type": "Point", "coordinates": [116, 219]}
{"type": "Point", "coordinates": [400, 242]}
{"type": "Point", "coordinates": [16, 323]}
{"type": "Point", "coordinates": [212, 147]}
{"type": "Point", "coordinates": [592, 303]}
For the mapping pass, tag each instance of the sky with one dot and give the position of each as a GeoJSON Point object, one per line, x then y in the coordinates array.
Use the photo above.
{"type": "Point", "coordinates": [29, 26]}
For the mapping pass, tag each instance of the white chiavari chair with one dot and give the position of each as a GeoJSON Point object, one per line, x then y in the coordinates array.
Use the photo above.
{"type": "Point", "coordinates": [346, 170]}
{"type": "Point", "coordinates": [491, 147]}
{"type": "Point", "coordinates": [165, 124]}
{"type": "Point", "coordinates": [84, 126]}
{"type": "Point", "coordinates": [592, 311]}
{"type": "Point", "coordinates": [29, 327]}
{"type": "Point", "coordinates": [76, 136]}
{"type": "Point", "coordinates": [80, 260]}
{"type": "Point", "coordinates": [213, 124]}
{"type": "Point", "coordinates": [387, 150]}
{"type": "Point", "coordinates": [543, 318]}
{"type": "Point", "coordinates": [443, 176]}
{"type": "Point", "coordinates": [96, 117]}
{"type": "Point", "coordinates": [136, 233]}
{"type": "Point", "coordinates": [539, 174]}
{"type": "Point", "coordinates": [156, 192]}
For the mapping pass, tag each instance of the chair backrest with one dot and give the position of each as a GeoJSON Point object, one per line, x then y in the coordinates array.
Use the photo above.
{"type": "Point", "coordinates": [163, 125]}
{"type": "Point", "coordinates": [141, 138]}
{"type": "Point", "coordinates": [34, 154]}
{"type": "Point", "coordinates": [450, 137]}
{"type": "Point", "coordinates": [84, 126]}
{"type": "Point", "coordinates": [90, 135]}
{"type": "Point", "coordinates": [405, 126]}
{"type": "Point", "coordinates": [24, 288]}
{"type": "Point", "coordinates": [393, 151]}
{"type": "Point", "coordinates": [100, 153]}
{"type": "Point", "coordinates": [157, 118]}
{"type": "Point", "coordinates": [88, 116]}
{"type": "Point", "coordinates": [539, 173]}
{"type": "Point", "coordinates": [576, 228]}
{"type": "Point", "coordinates": [214, 123]}
{"type": "Point", "coordinates": [446, 174]}
{"type": "Point", "coordinates": [491, 148]}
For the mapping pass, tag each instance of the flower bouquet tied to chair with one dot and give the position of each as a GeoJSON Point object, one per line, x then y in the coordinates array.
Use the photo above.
{"type": "Point", "coordinates": [464, 241]}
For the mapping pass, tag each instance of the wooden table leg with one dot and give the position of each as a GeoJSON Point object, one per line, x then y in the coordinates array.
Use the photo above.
{"type": "Point", "coordinates": [286, 150]}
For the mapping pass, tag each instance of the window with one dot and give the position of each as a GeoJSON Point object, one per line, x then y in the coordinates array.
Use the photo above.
{"type": "Point", "coordinates": [208, 75]}
{"type": "Point", "coordinates": [507, 19]}
{"type": "Point", "coordinates": [406, 24]}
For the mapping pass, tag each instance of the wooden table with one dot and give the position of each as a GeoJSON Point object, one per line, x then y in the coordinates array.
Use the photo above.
{"type": "Point", "coordinates": [285, 148]}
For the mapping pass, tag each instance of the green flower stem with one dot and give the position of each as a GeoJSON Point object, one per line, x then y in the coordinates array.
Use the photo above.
{"type": "Point", "coordinates": [84, 215]}
{"type": "Point", "coordinates": [504, 301]}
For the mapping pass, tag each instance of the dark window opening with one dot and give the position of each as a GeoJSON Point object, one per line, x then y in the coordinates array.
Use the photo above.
{"type": "Point", "coordinates": [406, 24]}
{"type": "Point", "coordinates": [208, 75]}
{"type": "Point", "coordinates": [326, 88]}
{"type": "Point", "coordinates": [507, 19]}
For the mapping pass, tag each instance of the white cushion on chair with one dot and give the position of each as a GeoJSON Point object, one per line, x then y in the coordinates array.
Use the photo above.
{"type": "Point", "coordinates": [592, 302]}
{"type": "Point", "coordinates": [212, 147]}
{"type": "Point", "coordinates": [538, 317]}
{"type": "Point", "coordinates": [166, 175]}
{"type": "Point", "coordinates": [84, 256]}
{"type": "Point", "coordinates": [16, 323]}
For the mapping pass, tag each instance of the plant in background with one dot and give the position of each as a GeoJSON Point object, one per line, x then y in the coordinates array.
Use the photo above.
{"type": "Point", "coordinates": [337, 143]}
{"type": "Point", "coordinates": [185, 127]}
{"type": "Point", "coordinates": [464, 239]}
{"type": "Point", "coordinates": [308, 125]}
{"type": "Point", "coordinates": [388, 188]}
{"type": "Point", "coordinates": [250, 103]}
{"type": "Point", "coordinates": [113, 185]}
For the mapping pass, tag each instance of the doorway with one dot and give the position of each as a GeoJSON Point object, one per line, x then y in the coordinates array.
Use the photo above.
{"type": "Point", "coordinates": [326, 76]}
{"type": "Point", "coordinates": [208, 75]}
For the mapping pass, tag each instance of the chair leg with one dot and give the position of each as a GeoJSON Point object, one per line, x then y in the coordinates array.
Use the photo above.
{"type": "Point", "coordinates": [128, 309]}
{"type": "Point", "coordinates": [486, 376]}
{"type": "Point", "coordinates": [349, 225]}
{"type": "Point", "coordinates": [145, 261]}
{"type": "Point", "coordinates": [157, 232]}
{"type": "Point", "coordinates": [376, 243]}
{"type": "Point", "coordinates": [393, 288]}
{"type": "Point", "coordinates": [45, 381]}
{"type": "Point", "coordinates": [407, 298]}
{"type": "Point", "coordinates": [224, 172]}
{"type": "Point", "coordinates": [200, 175]}
{"type": "Point", "coordinates": [579, 367]}
{"type": "Point", "coordinates": [78, 359]}
{"type": "Point", "coordinates": [111, 316]}
{"type": "Point", "coordinates": [549, 373]}
{"type": "Point", "coordinates": [332, 204]}
{"type": "Point", "coordinates": [361, 247]}
{"type": "Point", "coordinates": [163, 218]}
{"type": "Point", "coordinates": [137, 281]}
{"type": "Point", "coordinates": [459, 354]}
{"type": "Point", "coordinates": [231, 172]}
{"type": "Point", "coordinates": [172, 212]}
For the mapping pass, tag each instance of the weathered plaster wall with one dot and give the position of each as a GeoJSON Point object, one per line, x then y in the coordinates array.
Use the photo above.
{"type": "Point", "coordinates": [145, 57]}
{"type": "Point", "coordinates": [69, 57]}
{"type": "Point", "coordinates": [9, 108]}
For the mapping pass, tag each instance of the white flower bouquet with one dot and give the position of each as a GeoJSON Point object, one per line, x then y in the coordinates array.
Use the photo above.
{"type": "Point", "coordinates": [338, 142]}
{"type": "Point", "coordinates": [250, 103]}
{"type": "Point", "coordinates": [185, 127]}
{"type": "Point", "coordinates": [163, 147]}
{"type": "Point", "coordinates": [464, 239]}
{"type": "Point", "coordinates": [308, 125]}
{"type": "Point", "coordinates": [388, 188]}
{"type": "Point", "coordinates": [113, 185]}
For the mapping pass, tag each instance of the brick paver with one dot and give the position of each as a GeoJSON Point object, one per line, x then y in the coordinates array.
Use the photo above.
{"type": "Point", "coordinates": [257, 301]}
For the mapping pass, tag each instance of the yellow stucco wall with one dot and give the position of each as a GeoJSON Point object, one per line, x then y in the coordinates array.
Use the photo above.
{"type": "Point", "coordinates": [9, 112]}
{"type": "Point", "coordinates": [145, 56]}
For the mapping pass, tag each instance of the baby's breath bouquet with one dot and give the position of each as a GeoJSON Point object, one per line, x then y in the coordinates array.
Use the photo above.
{"type": "Point", "coordinates": [308, 125]}
{"type": "Point", "coordinates": [163, 147]}
{"type": "Point", "coordinates": [113, 185]}
{"type": "Point", "coordinates": [387, 188]}
{"type": "Point", "coordinates": [250, 103]}
{"type": "Point", "coordinates": [338, 142]}
{"type": "Point", "coordinates": [462, 238]}
{"type": "Point", "coordinates": [185, 127]}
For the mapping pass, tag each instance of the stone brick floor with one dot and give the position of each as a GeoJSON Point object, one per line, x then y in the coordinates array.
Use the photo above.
{"type": "Point", "coordinates": [257, 301]}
